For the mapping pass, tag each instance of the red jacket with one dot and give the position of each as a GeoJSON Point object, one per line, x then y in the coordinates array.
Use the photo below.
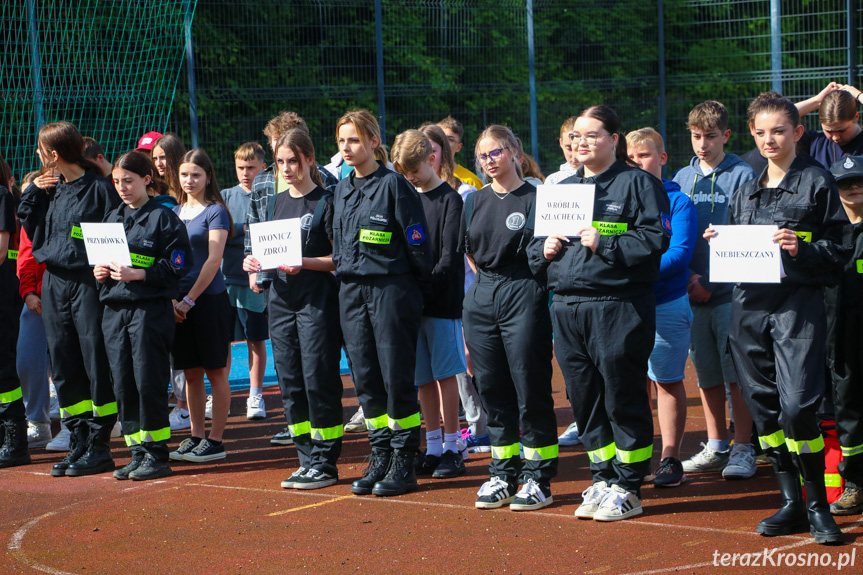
{"type": "Point", "coordinates": [29, 272]}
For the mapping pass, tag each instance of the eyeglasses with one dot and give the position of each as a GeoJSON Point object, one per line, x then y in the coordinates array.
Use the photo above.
{"type": "Point", "coordinates": [850, 184]}
{"type": "Point", "coordinates": [492, 155]}
{"type": "Point", "coordinates": [589, 138]}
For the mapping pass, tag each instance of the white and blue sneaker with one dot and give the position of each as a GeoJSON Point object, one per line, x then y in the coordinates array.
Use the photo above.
{"type": "Point", "coordinates": [570, 436]}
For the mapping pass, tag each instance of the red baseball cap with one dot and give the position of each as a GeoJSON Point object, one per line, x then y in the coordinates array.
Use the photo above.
{"type": "Point", "coordinates": [147, 140]}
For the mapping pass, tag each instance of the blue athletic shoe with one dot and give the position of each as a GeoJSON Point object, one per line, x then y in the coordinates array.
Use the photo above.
{"type": "Point", "coordinates": [476, 443]}
{"type": "Point", "coordinates": [570, 436]}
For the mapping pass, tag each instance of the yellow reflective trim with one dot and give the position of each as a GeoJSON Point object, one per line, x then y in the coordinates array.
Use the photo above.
{"type": "Point", "coordinates": [328, 433]}
{"type": "Point", "coordinates": [155, 435]}
{"type": "Point", "coordinates": [77, 233]}
{"type": "Point", "coordinates": [636, 455]}
{"type": "Point", "coordinates": [603, 453]}
{"type": "Point", "coordinates": [378, 422]}
{"type": "Point", "coordinates": [851, 451]}
{"type": "Point", "coordinates": [805, 446]}
{"type": "Point", "coordinates": [11, 396]}
{"type": "Point", "coordinates": [540, 453]}
{"type": "Point", "coordinates": [860, 266]}
{"type": "Point", "coordinates": [103, 410]}
{"type": "Point", "coordinates": [375, 237]}
{"type": "Point", "coordinates": [12, 255]}
{"type": "Point", "coordinates": [832, 480]}
{"type": "Point", "coordinates": [301, 428]}
{"type": "Point", "coordinates": [504, 451]}
{"type": "Point", "coordinates": [772, 440]}
{"type": "Point", "coordinates": [805, 236]}
{"type": "Point", "coordinates": [611, 228]}
{"type": "Point", "coordinates": [142, 261]}
{"type": "Point", "coordinates": [85, 406]}
{"type": "Point", "coordinates": [133, 439]}
{"type": "Point", "coordinates": [408, 422]}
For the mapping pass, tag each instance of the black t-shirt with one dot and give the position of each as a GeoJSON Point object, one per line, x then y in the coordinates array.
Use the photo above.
{"type": "Point", "coordinates": [444, 294]}
{"type": "Point", "coordinates": [825, 151]}
{"type": "Point", "coordinates": [8, 223]}
{"type": "Point", "coordinates": [316, 242]}
{"type": "Point", "coordinates": [501, 226]}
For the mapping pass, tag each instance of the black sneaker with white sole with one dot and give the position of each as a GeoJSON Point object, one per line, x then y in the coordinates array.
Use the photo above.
{"type": "Point", "coordinates": [291, 482]}
{"type": "Point", "coordinates": [495, 493]}
{"type": "Point", "coordinates": [206, 451]}
{"type": "Point", "coordinates": [186, 446]}
{"type": "Point", "coordinates": [532, 495]}
{"type": "Point", "coordinates": [315, 479]}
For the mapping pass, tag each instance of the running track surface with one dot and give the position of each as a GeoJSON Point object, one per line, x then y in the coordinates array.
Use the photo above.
{"type": "Point", "coordinates": [232, 517]}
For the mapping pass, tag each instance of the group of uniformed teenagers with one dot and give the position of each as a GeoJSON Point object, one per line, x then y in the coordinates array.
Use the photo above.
{"type": "Point", "coordinates": [382, 274]}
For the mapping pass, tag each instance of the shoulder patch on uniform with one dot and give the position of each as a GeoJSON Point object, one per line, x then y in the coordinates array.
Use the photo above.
{"type": "Point", "coordinates": [416, 235]}
{"type": "Point", "coordinates": [666, 222]}
{"type": "Point", "coordinates": [178, 257]}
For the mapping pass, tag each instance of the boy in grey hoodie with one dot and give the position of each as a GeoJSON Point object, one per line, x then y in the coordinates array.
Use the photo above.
{"type": "Point", "coordinates": [710, 180]}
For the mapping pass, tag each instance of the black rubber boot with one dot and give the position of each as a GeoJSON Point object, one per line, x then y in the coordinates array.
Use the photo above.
{"type": "Point", "coordinates": [79, 431]}
{"type": "Point", "coordinates": [822, 526]}
{"type": "Point", "coordinates": [379, 462]}
{"type": "Point", "coordinates": [137, 457]}
{"type": "Point", "coordinates": [14, 450]}
{"type": "Point", "coordinates": [791, 517]}
{"type": "Point", "coordinates": [97, 458]}
{"type": "Point", "coordinates": [400, 477]}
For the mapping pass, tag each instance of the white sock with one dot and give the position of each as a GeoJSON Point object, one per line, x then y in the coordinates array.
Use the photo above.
{"type": "Point", "coordinates": [253, 391]}
{"type": "Point", "coordinates": [449, 442]}
{"type": "Point", "coordinates": [433, 443]}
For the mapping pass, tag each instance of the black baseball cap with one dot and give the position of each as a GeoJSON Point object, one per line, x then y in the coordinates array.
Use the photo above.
{"type": "Point", "coordinates": [848, 167]}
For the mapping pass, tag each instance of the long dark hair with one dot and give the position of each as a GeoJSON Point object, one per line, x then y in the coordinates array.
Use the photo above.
{"type": "Point", "coordinates": [300, 143]}
{"type": "Point", "coordinates": [141, 164]}
{"type": "Point", "coordinates": [174, 151]}
{"type": "Point", "coordinates": [6, 178]}
{"type": "Point", "coordinates": [65, 139]}
{"type": "Point", "coordinates": [211, 190]}
{"type": "Point", "coordinates": [611, 122]}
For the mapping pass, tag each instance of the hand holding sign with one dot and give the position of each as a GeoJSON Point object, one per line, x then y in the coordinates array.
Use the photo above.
{"type": "Point", "coordinates": [106, 243]}
{"type": "Point", "coordinates": [744, 254]}
{"type": "Point", "coordinates": [277, 243]}
{"type": "Point", "coordinates": [563, 209]}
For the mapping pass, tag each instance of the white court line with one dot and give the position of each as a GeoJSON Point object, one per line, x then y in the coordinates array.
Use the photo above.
{"type": "Point", "coordinates": [15, 546]}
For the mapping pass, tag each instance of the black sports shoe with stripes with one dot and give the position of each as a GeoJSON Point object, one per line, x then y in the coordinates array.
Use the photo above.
{"type": "Point", "coordinates": [494, 493]}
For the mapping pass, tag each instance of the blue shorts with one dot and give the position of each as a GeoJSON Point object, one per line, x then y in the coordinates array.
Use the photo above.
{"type": "Point", "coordinates": [709, 345]}
{"type": "Point", "coordinates": [440, 350]}
{"type": "Point", "coordinates": [667, 362]}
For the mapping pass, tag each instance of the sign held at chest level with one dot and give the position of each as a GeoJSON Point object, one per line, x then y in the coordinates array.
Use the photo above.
{"type": "Point", "coordinates": [563, 209]}
{"type": "Point", "coordinates": [745, 254]}
{"type": "Point", "coordinates": [106, 243]}
{"type": "Point", "coordinates": [277, 243]}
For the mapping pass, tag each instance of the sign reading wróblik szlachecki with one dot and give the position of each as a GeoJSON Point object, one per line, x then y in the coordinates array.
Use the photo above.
{"type": "Point", "coordinates": [106, 243]}
{"type": "Point", "coordinates": [563, 209]}
{"type": "Point", "coordinates": [277, 243]}
{"type": "Point", "coordinates": [745, 254]}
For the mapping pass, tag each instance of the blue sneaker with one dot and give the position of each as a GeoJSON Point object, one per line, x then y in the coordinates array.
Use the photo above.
{"type": "Point", "coordinates": [475, 443]}
{"type": "Point", "coordinates": [570, 436]}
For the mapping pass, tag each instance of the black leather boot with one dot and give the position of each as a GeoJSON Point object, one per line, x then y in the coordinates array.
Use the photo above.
{"type": "Point", "coordinates": [400, 477]}
{"type": "Point", "coordinates": [78, 432]}
{"type": "Point", "coordinates": [97, 458]}
{"type": "Point", "coordinates": [379, 462]}
{"type": "Point", "coordinates": [14, 450]}
{"type": "Point", "coordinates": [822, 526]}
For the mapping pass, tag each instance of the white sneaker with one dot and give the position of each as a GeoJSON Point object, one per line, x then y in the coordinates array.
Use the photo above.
{"type": "Point", "coordinates": [618, 504]}
{"type": "Point", "coordinates": [208, 409]}
{"type": "Point", "coordinates": [462, 449]}
{"type": "Point", "coordinates": [741, 463]}
{"type": "Point", "coordinates": [706, 460]}
{"type": "Point", "coordinates": [357, 422]}
{"type": "Point", "coordinates": [60, 441]}
{"type": "Point", "coordinates": [255, 408]}
{"type": "Point", "coordinates": [591, 498]}
{"type": "Point", "coordinates": [570, 436]}
{"type": "Point", "coordinates": [116, 431]}
{"type": "Point", "coordinates": [179, 419]}
{"type": "Point", "coordinates": [38, 434]}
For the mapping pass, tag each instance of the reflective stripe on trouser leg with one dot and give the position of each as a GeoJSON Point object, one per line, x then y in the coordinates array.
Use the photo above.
{"type": "Point", "coordinates": [636, 455]}
{"type": "Point", "coordinates": [805, 446]}
{"type": "Point", "coordinates": [505, 451]}
{"type": "Point", "coordinates": [605, 453]}
{"type": "Point", "coordinates": [775, 439]}
{"type": "Point", "coordinates": [541, 453]}
{"type": "Point", "coordinates": [11, 394]}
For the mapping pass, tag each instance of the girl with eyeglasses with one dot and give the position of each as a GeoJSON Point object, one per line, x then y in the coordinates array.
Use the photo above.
{"type": "Point", "coordinates": [604, 312]}
{"type": "Point", "coordinates": [508, 330]}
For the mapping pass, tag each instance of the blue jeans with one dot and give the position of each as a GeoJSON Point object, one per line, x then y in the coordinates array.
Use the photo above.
{"type": "Point", "coordinates": [32, 363]}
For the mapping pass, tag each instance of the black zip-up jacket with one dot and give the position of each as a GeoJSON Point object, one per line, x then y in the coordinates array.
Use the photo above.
{"type": "Point", "coordinates": [53, 219]}
{"type": "Point", "coordinates": [380, 228]}
{"type": "Point", "coordinates": [629, 209]}
{"type": "Point", "coordinates": [158, 242]}
{"type": "Point", "coordinates": [806, 202]}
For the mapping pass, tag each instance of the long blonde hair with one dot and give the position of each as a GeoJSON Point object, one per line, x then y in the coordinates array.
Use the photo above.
{"type": "Point", "coordinates": [506, 139]}
{"type": "Point", "coordinates": [367, 128]}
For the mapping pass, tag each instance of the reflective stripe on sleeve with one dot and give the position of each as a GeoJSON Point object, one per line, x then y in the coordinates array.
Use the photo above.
{"type": "Point", "coordinates": [852, 451]}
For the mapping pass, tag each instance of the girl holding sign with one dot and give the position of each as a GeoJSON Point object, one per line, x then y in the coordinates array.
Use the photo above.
{"type": "Point", "coordinates": [303, 309]}
{"type": "Point", "coordinates": [508, 330]}
{"type": "Point", "coordinates": [70, 296]}
{"type": "Point", "coordinates": [604, 312]}
{"type": "Point", "coordinates": [778, 331]}
{"type": "Point", "coordinates": [138, 322]}
{"type": "Point", "coordinates": [202, 340]}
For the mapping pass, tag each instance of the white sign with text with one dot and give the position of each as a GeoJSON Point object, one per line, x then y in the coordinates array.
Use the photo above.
{"type": "Point", "coordinates": [106, 243]}
{"type": "Point", "coordinates": [277, 243]}
{"type": "Point", "coordinates": [745, 254]}
{"type": "Point", "coordinates": [563, 209]}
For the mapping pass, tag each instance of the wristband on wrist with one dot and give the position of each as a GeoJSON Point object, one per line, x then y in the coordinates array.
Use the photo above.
{"type": "Point", "coordinates": [189, 302]}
